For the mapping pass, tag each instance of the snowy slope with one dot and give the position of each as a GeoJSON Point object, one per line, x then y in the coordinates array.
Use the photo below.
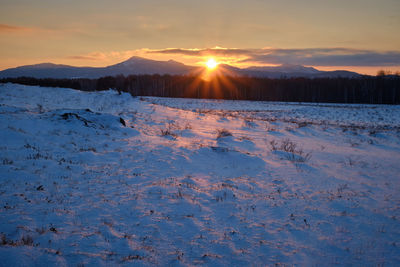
{"type": "Point", "coordinates": [188, 182]}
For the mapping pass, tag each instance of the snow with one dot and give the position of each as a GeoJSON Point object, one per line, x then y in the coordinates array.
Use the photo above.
{"type": "Point", "coordinates": [190, 182]}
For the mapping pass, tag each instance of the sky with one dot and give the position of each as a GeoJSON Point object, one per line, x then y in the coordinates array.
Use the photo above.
{"type": "Point", "coordinates": [358, 35]}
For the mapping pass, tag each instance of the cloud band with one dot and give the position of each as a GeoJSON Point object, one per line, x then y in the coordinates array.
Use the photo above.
{"type": "Point", "coordinates": [308, 56]}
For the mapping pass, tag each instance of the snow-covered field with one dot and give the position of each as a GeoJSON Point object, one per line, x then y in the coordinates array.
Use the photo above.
{"type": "Point", "coordinates": [195, 182]}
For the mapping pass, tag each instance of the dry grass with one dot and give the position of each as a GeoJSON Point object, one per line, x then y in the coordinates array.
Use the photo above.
{"type": "Point", "coordinates": [223, 133]}
{"type": "Point", "coordinates": [293, 152]}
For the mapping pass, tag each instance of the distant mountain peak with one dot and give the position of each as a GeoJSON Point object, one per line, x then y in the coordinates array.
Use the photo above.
{"type": "Point", "coordinates": [136, 61]}
{"type": "Point", "coordinates": [285, 68]}
{"type": "Point", "coordinates": [137, 58]}
{"type": "Point", "coordinates": [175, 62]}
{"type": "Point", "coordinates": [133, 60]}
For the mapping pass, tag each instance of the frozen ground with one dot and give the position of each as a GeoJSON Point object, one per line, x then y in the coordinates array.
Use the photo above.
{"type": "Point", "coordinates": [195, 182]}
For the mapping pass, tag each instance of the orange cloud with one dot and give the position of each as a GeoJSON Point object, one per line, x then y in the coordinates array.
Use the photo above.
{"type": "Point", "coordinates": [44, 32]}
{"type": "Point", "coordinates": [5, 28]}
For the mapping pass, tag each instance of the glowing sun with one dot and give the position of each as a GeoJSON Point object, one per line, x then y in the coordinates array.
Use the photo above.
{"type": "Point", "coordinates": [211, 64]}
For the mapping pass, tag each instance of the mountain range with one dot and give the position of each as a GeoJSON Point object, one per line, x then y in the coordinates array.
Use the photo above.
{"type": "Point", "coordinates": [138, 65]}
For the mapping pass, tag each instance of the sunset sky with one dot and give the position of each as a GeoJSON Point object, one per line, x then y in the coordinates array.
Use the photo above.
{"type": "Point", "coordinates": [360, 35]}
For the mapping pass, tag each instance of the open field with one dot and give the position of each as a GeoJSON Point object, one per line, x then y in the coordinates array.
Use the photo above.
{"type": "Point", "coordinates": [98, 178]}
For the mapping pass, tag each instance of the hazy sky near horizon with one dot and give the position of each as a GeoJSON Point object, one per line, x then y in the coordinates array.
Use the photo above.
{"type": "Point", "coordinates": [346, 34]}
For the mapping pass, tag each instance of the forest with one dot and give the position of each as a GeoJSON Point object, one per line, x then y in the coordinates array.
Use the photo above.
{"type": "Point", "coordinates": [381, 89]}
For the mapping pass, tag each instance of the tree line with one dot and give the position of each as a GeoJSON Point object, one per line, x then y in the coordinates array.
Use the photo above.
{"type": "Point", "coordinates": [381, 89]}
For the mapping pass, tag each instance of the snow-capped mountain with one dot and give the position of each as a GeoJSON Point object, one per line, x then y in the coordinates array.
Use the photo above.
{"type": "Point", "coordinates": [138, 65]}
